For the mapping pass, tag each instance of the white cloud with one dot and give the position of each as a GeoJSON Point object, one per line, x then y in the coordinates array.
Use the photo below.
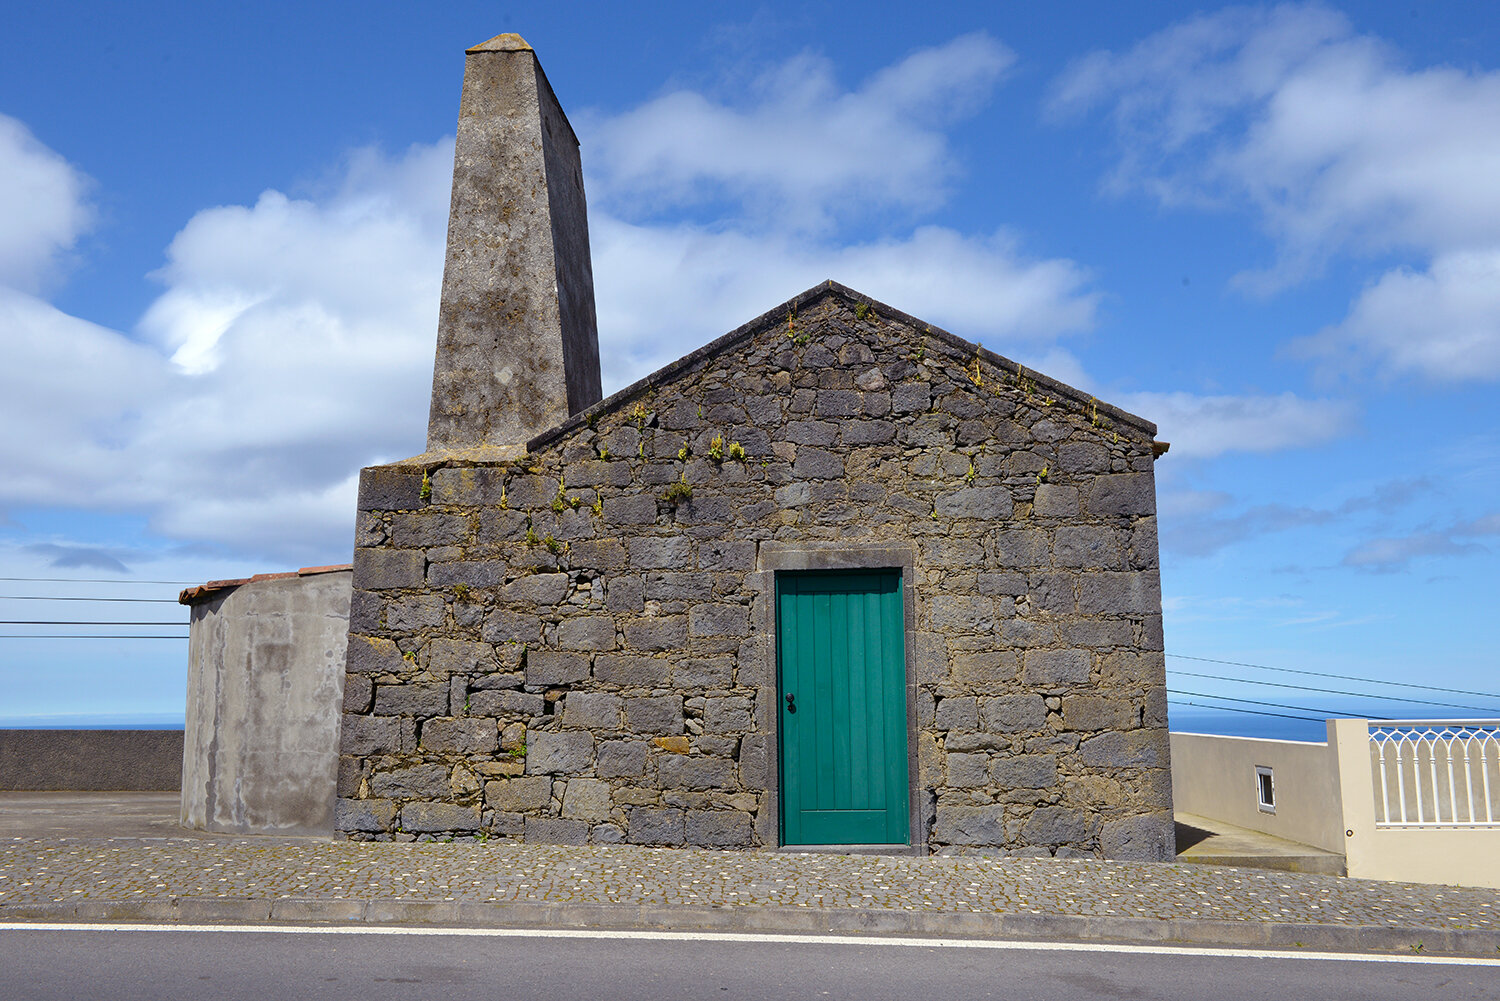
{"type": "Point", "coordinates": [42, 205]}
{"type": "Point", "coordinates": [1338, 147]}
{"type": "Point", "coordinates": [664, 291]}
{"type": "Point", "coordinates": [797, 145]}
{"type": "Point", "coordinates": [1201, 427]}
{"type": "Point", "coordinates": [1442, 323]}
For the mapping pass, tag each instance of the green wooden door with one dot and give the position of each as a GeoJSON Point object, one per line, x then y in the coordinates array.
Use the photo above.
{"type": "Point", "coordinates": [842, 732]}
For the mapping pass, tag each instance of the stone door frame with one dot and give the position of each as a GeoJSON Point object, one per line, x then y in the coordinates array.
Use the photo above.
{"type": "Point", "coordinates": [795, 556]}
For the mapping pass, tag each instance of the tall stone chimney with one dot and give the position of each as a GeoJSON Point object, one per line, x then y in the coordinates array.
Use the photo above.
{"type": "Point", "coordinates": [518, 343]}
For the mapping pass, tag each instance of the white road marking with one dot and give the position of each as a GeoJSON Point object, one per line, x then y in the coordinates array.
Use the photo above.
{"type": "Point", "coordinates": [768, 937]}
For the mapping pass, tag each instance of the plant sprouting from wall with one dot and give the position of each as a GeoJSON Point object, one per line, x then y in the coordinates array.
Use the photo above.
{"type": "Point", "coordinates": [716, 448]}
{"type": "Point", "coordinates": [426, 492]}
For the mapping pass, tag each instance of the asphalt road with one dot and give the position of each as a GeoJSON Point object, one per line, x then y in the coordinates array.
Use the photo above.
{"type": "Point", "coordinates": [260, 965]}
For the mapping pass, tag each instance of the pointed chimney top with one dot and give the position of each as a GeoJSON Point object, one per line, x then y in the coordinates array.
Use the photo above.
{"type": "Point", "coordinates": [517, 344]}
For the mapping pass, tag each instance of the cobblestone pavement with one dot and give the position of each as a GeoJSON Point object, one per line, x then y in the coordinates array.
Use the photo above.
{"type": "Point", "coordinates": [64, 870]}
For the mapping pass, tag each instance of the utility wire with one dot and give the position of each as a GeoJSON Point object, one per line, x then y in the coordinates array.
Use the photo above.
{"type": "Point", "coordinates": [75, 622]}
{"type": "Point", "coordinates": [1258, 702]}
{"type": "Point", "coordinates": [99, 580]}
{"type": "Point", "coordinates": [91, 636]}
{"type": "Point", "coordinates": [58, 597]}
{"type": "Point", "coordinates": [1340, 677]}
{"type": "Point", "coordinates": [1335, 691]}
{"type": "Point", "coordinates": [1250, 712]}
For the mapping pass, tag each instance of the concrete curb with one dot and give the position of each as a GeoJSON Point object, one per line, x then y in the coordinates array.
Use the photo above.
{"type": "Point", "coordinates": [1292, 936]}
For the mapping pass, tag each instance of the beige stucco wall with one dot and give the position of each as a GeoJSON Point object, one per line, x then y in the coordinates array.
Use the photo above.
{"type": "Point", "coordinates": [1214, 776]}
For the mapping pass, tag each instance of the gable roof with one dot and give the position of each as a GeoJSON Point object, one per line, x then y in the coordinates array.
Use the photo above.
{"type": "Point", "coordinates": [963, 351]}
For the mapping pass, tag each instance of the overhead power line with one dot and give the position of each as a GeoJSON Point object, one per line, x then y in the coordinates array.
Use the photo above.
{"type": "Point", "coordinates": [1340, 677]}
{"type": "Point", "coordinates": [1335, 691]}
{"type": "Point", "coordinates": [76, 622]}
{"type": "Point", "coordinates": [92, 580]}
{"type": "Point", "coordinates": [1249, 712]}
{"type": "Point", "coordinates": [59, 597]}
{"type": "Point", "coordinates": [1258, 702]}
{"type": "Point", "coordinates": [89, 636]}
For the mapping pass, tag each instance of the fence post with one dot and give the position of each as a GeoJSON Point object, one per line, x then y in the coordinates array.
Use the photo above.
{"type": "Point", "coordinates": [1349, 740]}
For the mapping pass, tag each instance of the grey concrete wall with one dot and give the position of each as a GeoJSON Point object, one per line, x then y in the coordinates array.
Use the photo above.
{"type": "Point", "coordinates": [265, 686]}
{"type": "Point", "coordinates": [88, 760]}
{"type": "Point", "coordinates": [1214, 777]}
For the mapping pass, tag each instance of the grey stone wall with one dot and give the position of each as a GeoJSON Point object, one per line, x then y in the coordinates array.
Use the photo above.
{"type": "Point", "coordinates": [566, 648]}
{"type": "Point", "coordinates": [87, 760]}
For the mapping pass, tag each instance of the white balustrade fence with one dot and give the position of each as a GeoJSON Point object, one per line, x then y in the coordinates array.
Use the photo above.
{"type": "Point", "coordinates": [1436, 773]}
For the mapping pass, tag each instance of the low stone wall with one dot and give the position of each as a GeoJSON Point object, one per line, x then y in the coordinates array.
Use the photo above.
{"type": "Point", "coordinates": [90, 760]}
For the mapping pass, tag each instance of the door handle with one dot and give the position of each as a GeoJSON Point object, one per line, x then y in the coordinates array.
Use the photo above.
{"type": "Point", "coordinates": [791, 702]}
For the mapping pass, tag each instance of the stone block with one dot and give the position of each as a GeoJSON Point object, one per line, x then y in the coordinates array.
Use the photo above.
{"type": "Point", "coordinates": [597, 554]}
{"type": "Point", "coordinates": [985, 669]}
{"type": "Point", "coordinates": [564, 752]}
{"type": "Point", "coordinates": [967, 771]}
{"type": "Point", "coordinates": [1130, 668]}
{"type": "Point", "coordinates": [674, 552]}
{"type": "Point", "coordinates": [586, 632]}
{"type": "Point", "coordinates": [536, 589]}
{"type": "Point", "coordinates": [372, 816]}
{"type": "Point", "coordinates": [383, 488]}
{"type": "Point", "coordinates": [554, 667]}
{"type": "Point", "coordinates": [657, 714]}
{"type": "Point", "coordinates": [975, 502]}
{"type": "Point", "coordinates": [505, 702]}
{"type": "Point", "coordinates": [1010, 584]}
{"type": "Point", "coordinates": [383, 569]}
{"type": "Point", "coordinates": [838, 403]}
{"type": "Point", "coordinates": [363, 735]}
{"type": "Point", "coordinates": [556, 831]}
{"type": "Point", "coordinates": [460, 735]}
{"type": "Point", "coordinates": [962, 613]}
{"type": "Point", "coordinates": [811, 432]}
{"type": "Point", "coordinates": [1024, 771]}
{"type": "Point", "coordinates": [630, 671]}
{"type": "Point", "coordinates": [429, 699]}
{"type": "Point", "coordinates": [586, 799]}
{"type": "Point", "coordinates": [1012, 713]}
{"type": "Point", "coordinates": [1135, 749]}
{"type": "Point", "coordinates": [474, 573]}
{"type": "Point", "coordinates": [638, 509]}
{"type": "Point", "coordinates": [680, 772]}
{"type": "Point", "coordinates": [373, 655]}
{"type": "Point", "coordinates": [591, 711]}
{"type": "Point", "coordinates": [433, 818]}
{"type": "Point", "coordinates": [1083, 457]}
{"type": "Point", "coordinates": [911, 397]}
{"type": "Point", "coordinates": [753, 761]}
{"type": "Point", "coordinates": [625, 594]}
{"type": "Point", "coordinates": [702, 672]}
{"type": "Point", "coordinates": [817, 464]}
{"type": "Point", "coordinates": [931, 658]}
{"type": "Point", "coordinates": [358, 692]}
{"type": "Point", "coordinates": [507, 626]}
{"type": "Point", "coordinates": [1087, 547]}
{"type": "Point", "coordinates": [1144, 838]}
{"type": "Point", "coordinates": [521, 794]}
{"type": "Point", "coordinates": [957, 713]}
{"type": "Point", "coordinates": [728, 715]}
{"type": "Point", "coordinates": [857, 433]}
{"type": "Point", "coordinates": [667, 632]}
{"type": "Point", "coordinates": [409, 613]}
{"type": "Point", "coordinates": [969, 825]}
{"type": "Point", "coordinates": [718, 828]}
{"type": "Point", "coordinates": [1021, 547]}
{"type": "Point", "coordinates": [1057, 667]}
{"type": "Point", "coordinates": [1128, 494]}
{"type": "Point", "coordinates": [620, 759]}
{"type": "Point", "coordinates": [448, 656]}
{"type": "Point", "coordinates": [718, 620]}
{"type": "Point", "coordinates": [1054, 500]}
{"type": "Point", "coordinates": [415, 782]}
{"type": "Point", "coordinates": [1136, 593]}
{"type": "Point", "coordinates": [1056, 825]}
{"type": "Point", "coordinates": [1099, 712]}
{"type": "Point", "coordinates": [655, 827]}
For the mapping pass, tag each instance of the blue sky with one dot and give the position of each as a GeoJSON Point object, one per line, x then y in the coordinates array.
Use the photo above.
{"type": "Point", "coordinates": [1275, 231]}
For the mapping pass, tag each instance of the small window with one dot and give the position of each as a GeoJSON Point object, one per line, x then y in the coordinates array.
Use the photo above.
{"type": "Point", "coordinates": [1265, 788]}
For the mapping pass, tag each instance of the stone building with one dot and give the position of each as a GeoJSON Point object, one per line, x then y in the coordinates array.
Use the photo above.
{"type": "Point", "coordinates": [837, 578]}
